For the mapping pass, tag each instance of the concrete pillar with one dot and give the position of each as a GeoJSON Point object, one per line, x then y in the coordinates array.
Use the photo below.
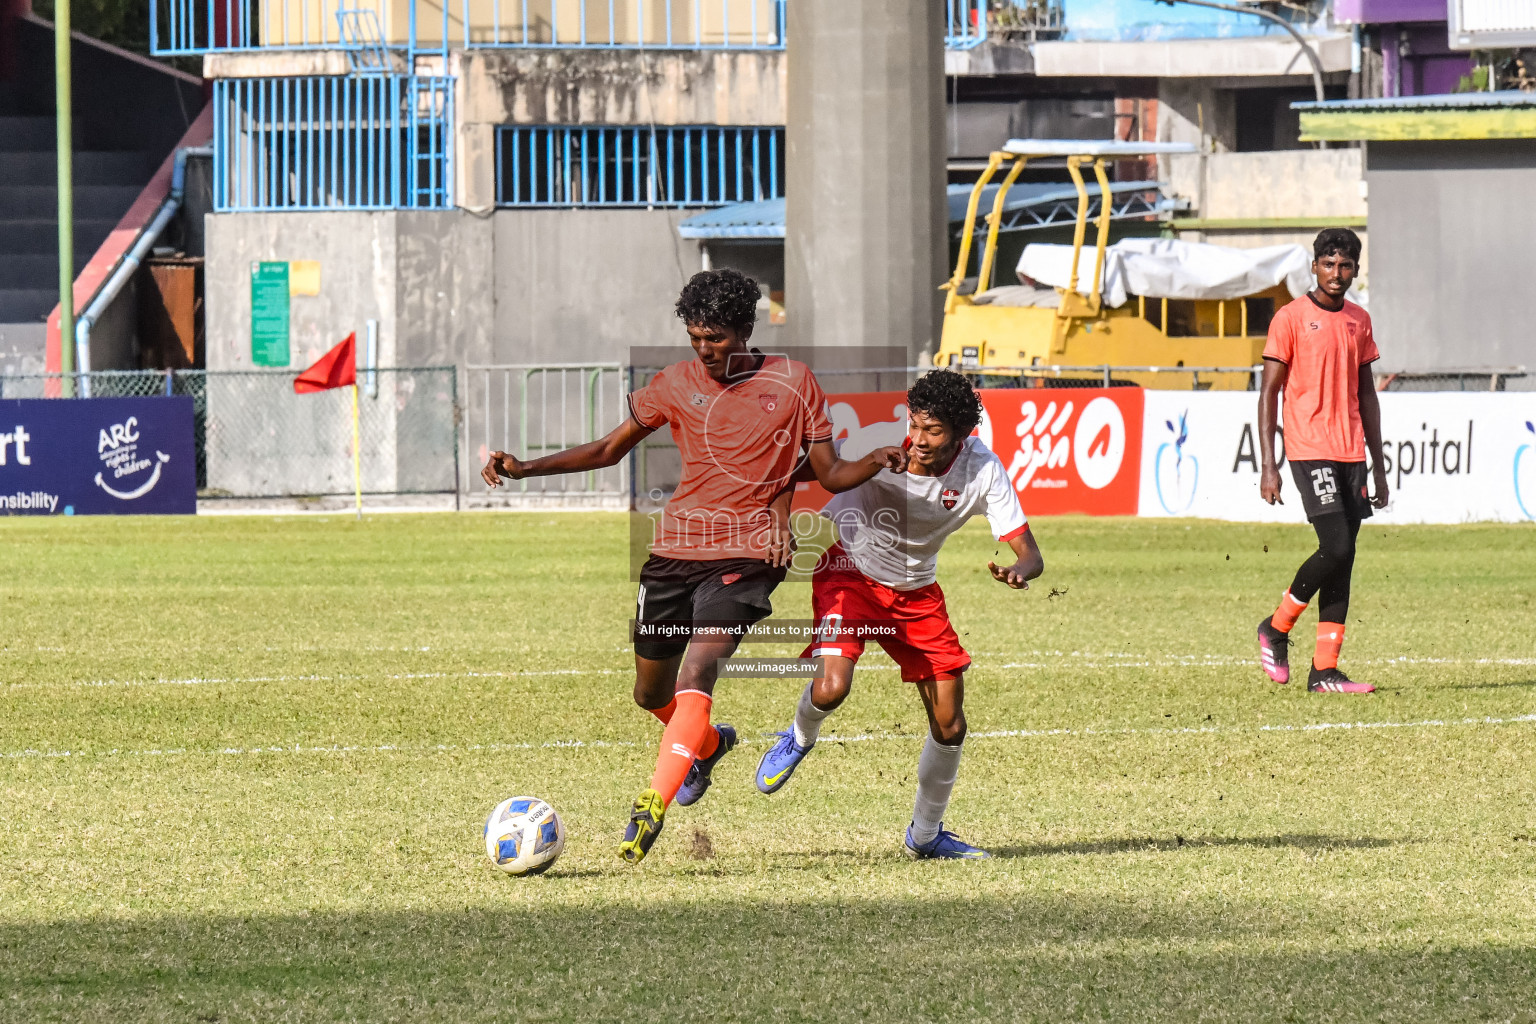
{"type": "Point", "coordinates": [865, 249]}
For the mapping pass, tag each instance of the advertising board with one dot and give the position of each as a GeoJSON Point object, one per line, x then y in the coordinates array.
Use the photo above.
{"type": "Point", "coordinates": [97, 456]}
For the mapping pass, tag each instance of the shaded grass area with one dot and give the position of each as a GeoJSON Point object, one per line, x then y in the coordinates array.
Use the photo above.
{"type": "Point", "coordinates": [1174, 840]}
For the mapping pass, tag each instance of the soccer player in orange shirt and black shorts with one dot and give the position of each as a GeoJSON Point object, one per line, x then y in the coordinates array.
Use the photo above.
{"type": "Point", "coordinates": [744, 422]}
{"type": "Point", "coordinates": [1319, 354]}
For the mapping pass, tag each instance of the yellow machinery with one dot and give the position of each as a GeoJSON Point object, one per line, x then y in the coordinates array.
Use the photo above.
{"type": "Point", "coordinates": [1082, 331]}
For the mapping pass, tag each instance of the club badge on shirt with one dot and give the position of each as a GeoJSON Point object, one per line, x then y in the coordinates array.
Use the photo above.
{"type": "Point", "coordinates": [699, 399]}
{"type": "Point", "coordinates": [769, 402]}
{"type": "Point", "coordinates": [948, 497]}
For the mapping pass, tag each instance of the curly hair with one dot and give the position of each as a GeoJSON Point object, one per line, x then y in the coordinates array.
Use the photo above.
{"type": "Point", "coordinates": [1342, 241]}
{"type": "Point", "coordinates": [719, 298]}
{"type": "Point", "coordinates": [948, 397]}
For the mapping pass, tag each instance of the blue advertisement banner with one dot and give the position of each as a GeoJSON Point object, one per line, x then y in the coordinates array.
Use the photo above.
{"type": "Point", "coordinates": [97, 456]}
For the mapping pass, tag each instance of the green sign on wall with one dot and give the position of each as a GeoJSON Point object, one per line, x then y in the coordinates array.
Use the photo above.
{"type": "Point", "coordinates": [269, 314]}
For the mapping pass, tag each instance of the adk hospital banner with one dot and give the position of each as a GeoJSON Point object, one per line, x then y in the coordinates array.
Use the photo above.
{"type": "Point", "coordinates": [97, 456]}
{"type": "Point", "coordinates": [1451, 457]}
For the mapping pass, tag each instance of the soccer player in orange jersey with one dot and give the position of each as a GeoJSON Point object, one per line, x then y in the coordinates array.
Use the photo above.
{"type": "Point", "coordinates": [744, 422]}
{"type": "Point", "coordinates": [1319, 355]}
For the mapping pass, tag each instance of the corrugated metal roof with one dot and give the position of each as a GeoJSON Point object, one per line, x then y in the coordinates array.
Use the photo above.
{"type": "Point", "coordinates": [766, 219]}
{"type": "Point", "coordinates": [1449, 101]}
{"type": "Point", "coordinates": [763, 219]}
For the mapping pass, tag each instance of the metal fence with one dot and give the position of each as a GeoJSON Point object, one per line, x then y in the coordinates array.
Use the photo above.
{"type": "Point", "coordinates": [353, 142]}
{"type": "Point", "coordinates": [627, 24]}
{"type": "Point", "coordinates": [613, 165]}
{"type": "Point", "coordinates": [536, 410]}
{"type": "Point", "coordinates": [965, 23]}
{"type": "Point", "coordinates": [187, 27]}
{"type": "Point", "coordinates": [190, 27]}
{"type": "Point", "coordinates": [255, 438]}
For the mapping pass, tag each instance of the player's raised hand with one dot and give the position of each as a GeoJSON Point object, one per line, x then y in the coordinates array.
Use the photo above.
{"type": "Point", "coordinates": [499, 465]}
{"type": "Point", "coordinates": [1269, 485]}
{"type": "Point", "coordinates": [1012, 575]}
{"type": "Point", "coordinates": [891, 457]}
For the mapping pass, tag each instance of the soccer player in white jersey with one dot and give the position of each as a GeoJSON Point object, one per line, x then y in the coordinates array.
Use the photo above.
{"type": "Point", "coordinates": [879, 580]}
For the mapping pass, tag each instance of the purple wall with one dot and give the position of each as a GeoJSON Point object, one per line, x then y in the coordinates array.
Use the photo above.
{"type": "Point", "coordinates": [1376, 12]}
{"type": "Point", "coordinates": [1416, 60]}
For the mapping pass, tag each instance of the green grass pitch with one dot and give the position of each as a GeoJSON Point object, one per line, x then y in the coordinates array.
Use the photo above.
{"type": "Point", "coordinates": [245, 764]}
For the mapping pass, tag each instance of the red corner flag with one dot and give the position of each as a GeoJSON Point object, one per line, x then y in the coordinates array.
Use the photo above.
{"type": "Point", "coordinates": [336, 369]}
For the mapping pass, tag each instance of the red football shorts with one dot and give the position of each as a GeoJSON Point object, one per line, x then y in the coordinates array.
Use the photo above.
{"type": "Point", "coordinates": [911, 625]}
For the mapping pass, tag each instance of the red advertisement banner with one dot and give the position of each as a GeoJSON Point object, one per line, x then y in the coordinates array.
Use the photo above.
{"type": "Point", "coordinates": [1065, 449]}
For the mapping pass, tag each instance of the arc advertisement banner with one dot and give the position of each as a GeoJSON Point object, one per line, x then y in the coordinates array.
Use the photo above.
{"type": "Point", "coordinates": [1451, 457]}
{"type": "Point", "coordinates": [97, 456]}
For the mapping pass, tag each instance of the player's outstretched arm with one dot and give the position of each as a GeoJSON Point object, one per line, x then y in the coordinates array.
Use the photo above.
{"type": "Point", "coordinates": [599, 454]}
{"type": "Point", "coordinates": [1370, 420]}
{"type": "Point", "coordinates": [836, 474]}
{"type": "Point", "coordinates": [1028, 563]}
{"type": "Point", "coordinates": [1275, 374]}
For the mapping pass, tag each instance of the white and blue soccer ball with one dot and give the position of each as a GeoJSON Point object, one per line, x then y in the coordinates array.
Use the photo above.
{"type": "Point", "coordinates": [524, 836]}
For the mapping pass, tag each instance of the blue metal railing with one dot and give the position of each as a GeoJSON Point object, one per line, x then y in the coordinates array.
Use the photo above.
{"type": "Point", "coordinates": [966, 24]}
{"type": "Point", "coordinates": [624, 24]}
{"type": "Point", "coordinates": [630, 165]}
{"type": "Point", "coordinates": [354, 142]}
{"type": "Point", "coordinates": [189, 27]}
{"type": "Point", "coordinates": [185, 27]}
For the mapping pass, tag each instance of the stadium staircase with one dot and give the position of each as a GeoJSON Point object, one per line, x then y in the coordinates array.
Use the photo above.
{"type": "Point", "coordinates": [106, 184]}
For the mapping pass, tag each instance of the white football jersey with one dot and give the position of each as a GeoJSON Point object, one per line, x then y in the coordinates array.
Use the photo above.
{"type": "Point", "coordinates": [893, 525]}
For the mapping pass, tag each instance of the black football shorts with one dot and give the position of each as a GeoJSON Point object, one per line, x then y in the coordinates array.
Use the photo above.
{"type": "Point", "coordinates": [679, 595]}
{"type": "Point", "coordinates": [1328, 488]}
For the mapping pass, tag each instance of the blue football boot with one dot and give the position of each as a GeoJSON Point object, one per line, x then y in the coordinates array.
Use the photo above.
{"type": "Point", "coordinates": [694, 786]}
{"type": "Point", "coordinates": [944, 846]}
{"type": "Point", "coordinates": [780, 762]}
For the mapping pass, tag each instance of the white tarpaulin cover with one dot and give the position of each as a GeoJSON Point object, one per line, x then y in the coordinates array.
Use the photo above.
{"type": "Point", "coordinates": [1164, 268]}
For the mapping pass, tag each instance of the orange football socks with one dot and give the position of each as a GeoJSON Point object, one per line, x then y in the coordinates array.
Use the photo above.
{"type": "Point", "coordinates": [664, 714]}
{"type": "Point", "coordinates": [1330, 637]}
{"type": "Point", "coordinates": [1285, 616]}
{"type": "Point", "coordinates": [685, 738]}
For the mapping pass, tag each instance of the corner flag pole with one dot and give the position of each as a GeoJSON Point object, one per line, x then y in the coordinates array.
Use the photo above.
{"type": "Point", "coordinates": [63, 106]}
{"type": "Point", "coordinates": [357, 456]}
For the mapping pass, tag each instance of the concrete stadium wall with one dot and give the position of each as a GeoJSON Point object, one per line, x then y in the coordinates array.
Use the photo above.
{"type": "Point", "coordinates": [1270, 185]}
{"type": "Point", "coordinates": [22, 348]}
{"type": "Point", "coordinates": [579, 285]}
{"type": "Point", "coordinates": [357, 259]}
{"type": "Point", "coordinates": [681, 87]}
{"type": "Point", "coordinates": [449, 288]}
{"type": "Point", "coordinates": [1453, 225]}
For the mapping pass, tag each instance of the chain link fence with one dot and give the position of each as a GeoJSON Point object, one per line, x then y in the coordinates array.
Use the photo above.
{"type": "Point", "coordinates": [256, 438]}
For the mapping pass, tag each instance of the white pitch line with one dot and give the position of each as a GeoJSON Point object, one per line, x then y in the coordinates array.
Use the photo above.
{"type": "Point", "coordinates": [240, 680]}
{"type": "Point", "coordinates": [865, 737]}
{"type": "Point", "coordinates": [1116, 661]}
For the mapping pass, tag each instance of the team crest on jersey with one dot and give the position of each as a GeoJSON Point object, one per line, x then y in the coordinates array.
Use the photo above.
{"type": "Point", "coordinates": [769, 402]}
{"type": "Point", "coordinates": [699, 399]}
{"type": "Point", "coordinates": [948, 498]}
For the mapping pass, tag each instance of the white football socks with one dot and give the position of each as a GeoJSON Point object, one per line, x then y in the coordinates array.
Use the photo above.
{"type": "Point", "coordinates": [936, 771]}
{"type": "Point", "coordinates": [808, 719]}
